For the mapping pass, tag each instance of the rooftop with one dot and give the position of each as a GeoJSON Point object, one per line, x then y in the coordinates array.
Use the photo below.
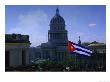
{"type": "Point", "coordinates": [16, 38]}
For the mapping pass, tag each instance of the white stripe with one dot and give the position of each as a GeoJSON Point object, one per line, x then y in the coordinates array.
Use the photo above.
{"type": "Point", "coordinates": [80, 52]}
{"type": "Point", "coordinates": [82, 48]}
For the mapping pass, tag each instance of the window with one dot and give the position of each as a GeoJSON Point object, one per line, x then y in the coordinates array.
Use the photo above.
{"type": "Point", "coordinates": [23, 57]}
{"type": "Point", "coordinates": [7, 58]}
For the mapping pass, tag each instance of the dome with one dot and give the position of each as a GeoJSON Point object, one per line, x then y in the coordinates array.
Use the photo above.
{"type": "Point", "coordinates": [57, 19]}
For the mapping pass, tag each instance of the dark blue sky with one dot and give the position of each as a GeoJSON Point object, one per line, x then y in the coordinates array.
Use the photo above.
{"type": "Point", "coordinates": [87, 21]}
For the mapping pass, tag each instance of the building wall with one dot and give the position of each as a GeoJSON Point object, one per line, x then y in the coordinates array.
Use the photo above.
{"type": "Point", "coordinates": [15, 50]}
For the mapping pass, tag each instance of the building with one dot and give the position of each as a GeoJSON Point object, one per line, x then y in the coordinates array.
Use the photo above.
{"type": "Point", "coordinates": [56, 47]}
{"type": "Point", "coordinates": [97, 47]}
{"type": "Point", "coordinates": [34, 54]}
{"type": "Point", "coordinates": [16, 50]}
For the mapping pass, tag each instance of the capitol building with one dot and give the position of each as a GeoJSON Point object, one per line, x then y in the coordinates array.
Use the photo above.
{"type": "Point", "coordinates": [56, 47]}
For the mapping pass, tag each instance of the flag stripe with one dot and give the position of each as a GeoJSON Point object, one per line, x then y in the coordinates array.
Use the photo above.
{"type": "Point", "coordinates": [82, 53]}
{"type": "Point", "coordinates": [83, 50]}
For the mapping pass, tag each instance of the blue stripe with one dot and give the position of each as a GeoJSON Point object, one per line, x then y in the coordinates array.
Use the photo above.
{"type": "Point", "coordinates": [79, 54]}
{"type": "Point", "coordinates": [83, 50]}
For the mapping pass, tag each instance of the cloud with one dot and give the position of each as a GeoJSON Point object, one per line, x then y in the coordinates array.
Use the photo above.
{"type": "Point", "coordinates": [92, 25]}
{"type": "Point", "coordinates": [79, 34]}
{"type": "Point", "coordinates": [34, 25]}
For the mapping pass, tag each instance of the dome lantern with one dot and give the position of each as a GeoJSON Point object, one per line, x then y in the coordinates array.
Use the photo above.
{"type": "Point", "coordinates": [57, 11]}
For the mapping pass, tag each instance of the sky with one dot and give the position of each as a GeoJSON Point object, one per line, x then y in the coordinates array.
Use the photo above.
{"type": "Point", "coordinates": [86, 21]}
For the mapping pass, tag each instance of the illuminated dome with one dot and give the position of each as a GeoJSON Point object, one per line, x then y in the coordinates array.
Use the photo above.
{"type": "Point", "coordinates": [57, 19]}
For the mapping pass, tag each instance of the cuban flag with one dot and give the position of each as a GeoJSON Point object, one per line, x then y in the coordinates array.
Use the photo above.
{"type": "Point", "coordinates": [78, 49]}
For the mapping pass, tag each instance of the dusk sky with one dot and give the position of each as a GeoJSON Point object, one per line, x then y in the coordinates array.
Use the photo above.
{"type": "Point", "coordinates": [88, 22]}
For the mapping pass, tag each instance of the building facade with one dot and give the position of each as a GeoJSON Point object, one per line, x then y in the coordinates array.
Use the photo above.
{"type": "Point", "coordinates": [16, 50]}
